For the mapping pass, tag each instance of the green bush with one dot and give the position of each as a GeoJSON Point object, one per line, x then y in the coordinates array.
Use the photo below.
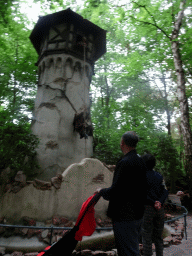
{"type": "Point", "coordinates": [169, 164]}
{"type": "Point", "coordinates": [17, 147]}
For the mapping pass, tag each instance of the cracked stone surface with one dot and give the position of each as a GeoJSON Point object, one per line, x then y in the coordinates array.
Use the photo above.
{"type": "Point", "coordinates": [41, 200]}
{"type": "Point", "coordinates": [63, 91]}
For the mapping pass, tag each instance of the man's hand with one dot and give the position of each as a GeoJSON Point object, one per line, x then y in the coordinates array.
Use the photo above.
{"type": "Point", "coordinates": [157, 205]}
{"type": "Point", "coordinates": [98, 190]}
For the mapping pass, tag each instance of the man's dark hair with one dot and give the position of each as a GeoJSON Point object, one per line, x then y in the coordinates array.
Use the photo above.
{"type": "Point", "coordinates": [149, 160]}
{"type": "Point", "coordinates": [130, 138]}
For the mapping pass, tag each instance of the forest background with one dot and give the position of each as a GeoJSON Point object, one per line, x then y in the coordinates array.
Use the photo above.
{"type": "Point", "coordinates": [143, 82]}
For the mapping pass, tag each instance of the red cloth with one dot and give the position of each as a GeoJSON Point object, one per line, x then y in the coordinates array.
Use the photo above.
{"type": "Point", "coordinates": [88, 224]}
{"type": "Point", "coordinates": [42, 252]}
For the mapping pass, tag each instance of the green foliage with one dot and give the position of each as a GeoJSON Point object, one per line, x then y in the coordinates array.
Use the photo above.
{"type": "Point", "coordinates": [17, 146]}
{"type": "Point", "coordinates": [106, 131]}
{"type": "Point", "coordinates": [124, 92]}
{"type": "Point", "coordinates": [168, 162]}
{"type": "Point", "coordinates": [17, 60]}
{"type": "Point", "coordinates": [138, 54]}
{"type": "Point", "coordinates": [107, 146]}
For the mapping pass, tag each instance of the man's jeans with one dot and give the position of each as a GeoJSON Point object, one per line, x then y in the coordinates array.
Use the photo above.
{"type": "Point", "coordinates": [152, 229]}
{"type": "Point", "coordinates": [127, 237]}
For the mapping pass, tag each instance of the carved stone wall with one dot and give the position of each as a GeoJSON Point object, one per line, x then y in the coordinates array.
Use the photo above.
{"type": "Point", "coordinates": [63, 91]}
{"type": "Point", "coordinates": [79, 181]}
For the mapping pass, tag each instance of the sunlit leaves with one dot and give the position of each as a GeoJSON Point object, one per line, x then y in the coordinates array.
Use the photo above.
{"type": "Point", "coordinates": [18, 72]}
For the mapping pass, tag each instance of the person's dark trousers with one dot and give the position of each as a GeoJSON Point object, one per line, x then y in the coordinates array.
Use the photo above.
{"type": "Point", "coordinates": [152, 229]}
{"type": "Point", "coordinates": [126, 235]}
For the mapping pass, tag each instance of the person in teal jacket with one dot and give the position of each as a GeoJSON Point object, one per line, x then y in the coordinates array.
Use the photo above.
{"type": "Point", "coordinates": [153, 219]}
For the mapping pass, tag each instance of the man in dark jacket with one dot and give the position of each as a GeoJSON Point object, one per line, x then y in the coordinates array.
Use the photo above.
{"type": "Point", "coordinates": [127, 196]}
{"type": "Point", "coordinates": [153, 220]}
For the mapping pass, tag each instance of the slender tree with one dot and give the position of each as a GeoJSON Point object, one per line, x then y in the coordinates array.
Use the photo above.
{"type": "Point", "coordinates": [173, 37]}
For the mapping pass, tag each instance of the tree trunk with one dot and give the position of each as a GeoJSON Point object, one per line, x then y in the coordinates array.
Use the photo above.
{"type": "Point", "coordinates": [107, 96]}
{"type": "Point", "coordinates": [184, 109]}
{"type": "Point", "coordinates": [166, 105]}
{"type": "Point", "coordinates": [14, 102]}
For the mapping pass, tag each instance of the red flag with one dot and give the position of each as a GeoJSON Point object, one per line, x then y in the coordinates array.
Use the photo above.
{"type": "Point", "coordinates": [88, 224]}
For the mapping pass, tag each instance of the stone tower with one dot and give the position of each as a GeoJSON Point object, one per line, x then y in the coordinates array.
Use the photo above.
{"type": "Point", "coordinates": [68, 47]}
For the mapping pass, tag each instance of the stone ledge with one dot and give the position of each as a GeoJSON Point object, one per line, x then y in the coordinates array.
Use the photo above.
{"type": "Point", "coordinates": [22, 244]}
